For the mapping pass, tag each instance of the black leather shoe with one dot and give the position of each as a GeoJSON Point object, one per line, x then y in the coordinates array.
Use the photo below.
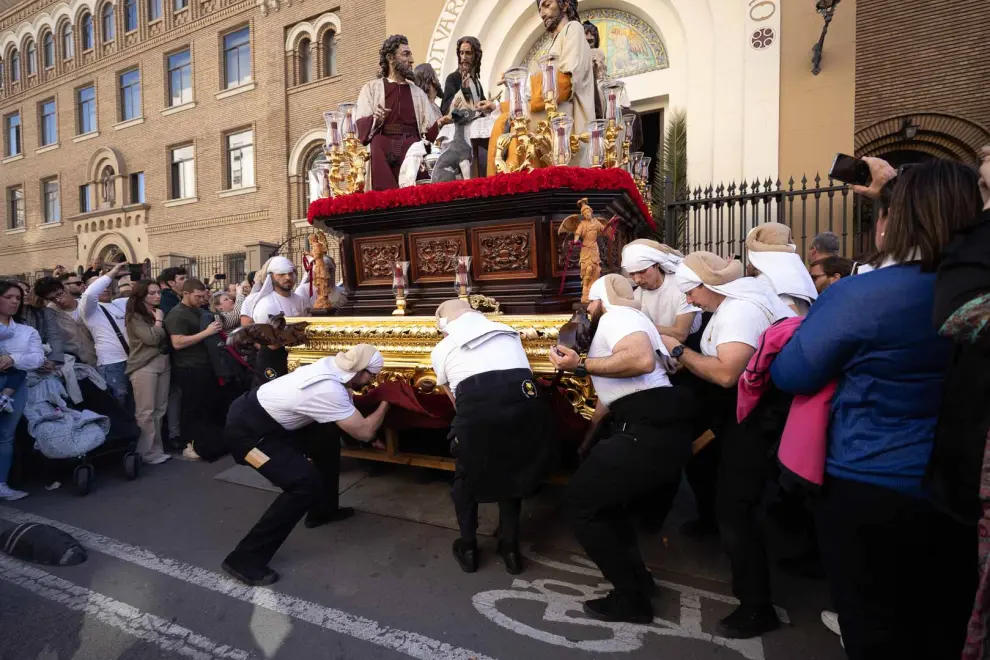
{"type": "Point", "coordinates": [317, 518]}
{"type": "Point", "coordinates": [647, 587]}
{"type": "Point", "coordinates": [511, 556]}
{"type": "Point", "coordinates": [253, 578]}
{"type": "Point", "coordinates": [466, 554]}
{"type": "Point", "coordinates": [748, 621]}
{"type": "Point", "coordinates": [628, 609]}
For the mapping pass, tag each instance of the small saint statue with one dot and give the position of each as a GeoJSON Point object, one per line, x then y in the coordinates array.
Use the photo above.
{"type": "Point", "coordinates": [320, 277]}
{"type": "Point", "coordinates": [586, 226]}
{"type": "Point", "coordinates": [109, 192]}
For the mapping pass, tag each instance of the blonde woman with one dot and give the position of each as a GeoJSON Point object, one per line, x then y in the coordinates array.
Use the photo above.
{"type": "Point", "coordinates": [148, 367]}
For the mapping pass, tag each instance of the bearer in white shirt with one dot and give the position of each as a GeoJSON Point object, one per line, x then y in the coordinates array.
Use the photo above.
{"type": "Point", "coordinates": [272, 295]}
{"type": "Point", "coordinates": [289, 430]}
{"type": "Point", "coordinates": [650, 265]}
{"type": "Point", "coordinates": [502, 426]}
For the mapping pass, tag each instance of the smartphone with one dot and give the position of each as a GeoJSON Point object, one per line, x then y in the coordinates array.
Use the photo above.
{"type": "Point", "coordinates": [851, 170]}
{"type": "Point", "coordinates": [136, 271]}
{"type": "Point", "coordinates": [220, 276]}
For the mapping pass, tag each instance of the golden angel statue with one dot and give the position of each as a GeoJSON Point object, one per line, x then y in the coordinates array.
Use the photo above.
{"type": "Point", "coordinates": [586, 226]}
{"type": "Point", "coordinates": [320, 277]}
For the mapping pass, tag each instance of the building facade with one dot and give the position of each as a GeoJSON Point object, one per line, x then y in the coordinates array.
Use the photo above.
{"type": "Point", "coordinates": [164, 129]}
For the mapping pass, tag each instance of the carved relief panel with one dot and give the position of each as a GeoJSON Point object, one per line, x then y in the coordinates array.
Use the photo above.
{"type": "Point", "coordinates": [434, 255]}
{"type": "Point", "coordinates": [504, 252]}
{"type": "Point", "coordinates": [374, 257]}
{"type": "Point", "coordinates": [560, 250]}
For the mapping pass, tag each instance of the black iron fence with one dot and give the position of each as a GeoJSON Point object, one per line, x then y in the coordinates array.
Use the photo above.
{"type": "Point", "coordinates": [717, 219]}
{"type": "Point", "coordinates": [207, 267]}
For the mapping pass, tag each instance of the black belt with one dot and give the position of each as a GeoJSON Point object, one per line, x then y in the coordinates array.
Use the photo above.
{"type": "Point", "coordinates": [634, 430]}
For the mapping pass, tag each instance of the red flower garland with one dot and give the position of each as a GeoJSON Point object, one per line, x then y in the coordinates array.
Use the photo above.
{"type": "Point", "coordinates": [549, 178]}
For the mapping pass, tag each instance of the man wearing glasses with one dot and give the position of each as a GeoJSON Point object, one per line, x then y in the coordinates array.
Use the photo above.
{"type": "Point", "coordinates": [73, 284]}
{"type": "Point", "coordinates": [76, 337]}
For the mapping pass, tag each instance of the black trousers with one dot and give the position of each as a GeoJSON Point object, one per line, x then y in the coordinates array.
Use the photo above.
{"type": "Point", "coordinates": [748, 462]}
{"type": "Point", "coordinates": [307, 485]}
{"type": "Point", "coordinates": [200, 403]}
{"type": "Point", "coordinates": [619, 470]}
{"type": "Point", "coordinates": [902, 574]}
{"type": "Point", "coordinates": [466, 508]}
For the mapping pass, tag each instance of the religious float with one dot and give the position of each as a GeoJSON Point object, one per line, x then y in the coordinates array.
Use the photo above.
{"type": "Point", "coordinates": [506, 243]}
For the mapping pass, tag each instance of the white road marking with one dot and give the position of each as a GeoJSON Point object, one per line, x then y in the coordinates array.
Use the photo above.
{"type": "Point", "coordinates": [406, 642]}
{"type": "Point", "coordinates": [561, 599]}
{"type": "Point", "coordinates": [148, 627]}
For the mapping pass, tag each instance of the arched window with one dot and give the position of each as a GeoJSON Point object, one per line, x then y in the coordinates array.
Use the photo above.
{"type": "Point", "coordinates": [329, 53]}
{"type": "Point", "coordinates": [32, 58]}
{"type": "Point", "coordinates": [48, 50]}
{"type": "Point", "coordinates": [15, 66]}
{"type": "Point", "coordinates": [87, 31]}
{"type": "Point", "coordinates": [108, 22]}
{"type": "Point", "coordinates": [68, 48]}
{"type": "Point", "coordinates": [130, 15]}
{"type": "Point", "coordinates": [305, 62]}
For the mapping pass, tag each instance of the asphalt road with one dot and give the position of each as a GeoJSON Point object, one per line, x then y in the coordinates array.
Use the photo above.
{"type": "Point", "coordinates": [370, 587]}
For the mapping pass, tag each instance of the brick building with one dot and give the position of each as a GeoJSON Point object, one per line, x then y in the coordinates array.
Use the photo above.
{"type": "Point", "coordinates": [165, 129]}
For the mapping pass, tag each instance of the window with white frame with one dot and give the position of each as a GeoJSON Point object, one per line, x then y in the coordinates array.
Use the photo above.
{"type": "Point", "coordinates": [130, 15]}
{"type": "Point", "coordinates": [85, 203]}
{"type": "Point", "coordinates": [130, 95]}
{"type": "Point", "coordinates": [52, 200]}
{"type": "Point", "coordinates": [68, 47]}
{"type": "Point", "coordinates": [183, 182]}
{"type": "Point", "coordinates": [87, 31]}
{"type": "Point", "coordinates": [237, 57]}
{"type": "Point", "coordinates": [180, 78]}
{"type": "Point", "coordinates": [12, 134]}
{"type": "Point", "coordinates": [329, 53]}
{"type": "Point", "coordinates": [48, 50]}
{"type": "Point", "coordinates": [240, 159]}
{"type": "Point", "coordinates": [305, 62]}
{"type": "Point", "coordinates": [154, 10]}
{"type": "Point", "coordinates": [48, 123]}
{"type": "Point", "coordinates": [86, 109]}
{"type": "Point", "coordinates": [15, 207]}
{"type": "Point", "coordinates": [32, 58]}
{"type": "Point", "coordinates": [137, 187]}
{"type": "Point", "coordinates": [108, 23]}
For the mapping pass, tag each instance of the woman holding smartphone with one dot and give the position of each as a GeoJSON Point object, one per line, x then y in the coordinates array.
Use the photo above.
{"type": "Point", "coordinates": [148, 367]}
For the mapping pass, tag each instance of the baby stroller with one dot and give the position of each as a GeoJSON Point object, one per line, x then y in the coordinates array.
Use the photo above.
{"type": "Point", "coordinates": [121, 440]}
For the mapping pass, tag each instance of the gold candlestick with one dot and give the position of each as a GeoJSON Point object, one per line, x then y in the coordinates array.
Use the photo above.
{"type": "Point", "coordinates": [399, 285]}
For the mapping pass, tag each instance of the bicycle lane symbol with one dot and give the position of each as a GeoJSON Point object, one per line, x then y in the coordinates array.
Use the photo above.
{"type": "Point", "coordinates": [563, 602]}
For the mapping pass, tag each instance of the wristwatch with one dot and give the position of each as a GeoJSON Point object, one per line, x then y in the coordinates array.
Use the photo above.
{"type": "Point", "coordinates": [581, 371]}
{"type": "Point", "coordinates": [677, 352]}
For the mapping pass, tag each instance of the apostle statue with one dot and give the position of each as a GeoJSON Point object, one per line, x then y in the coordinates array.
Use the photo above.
{"type": "Point", "coordinates": [393, 114]}
{"type": "Point", "coordinates": [575, 74]}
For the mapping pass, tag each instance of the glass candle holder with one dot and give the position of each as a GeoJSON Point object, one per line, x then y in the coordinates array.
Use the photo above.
{"type": "Point", "coordinates": [611, 91]}
{"type": "Point", "coordinates": [628, 124]}
{"type": "Point", "coordinates": [644, 169]}
{"type": "Point", "coordinates": [400, 285]}
{"type": "Point", "coordinates": [335, 138]}
{"type": "Point", "coordinates": [634, 159]}
{"type": "Point", "coordinates": [348, 123]}
{"type": "Point", "coordinates": [319, 180]}
{"type": "Point", "coordinates": [548, 67]}
{"type": "Point", "coordinates": [562, 127]}
{"type": "Point", "coordinates": [462, 276]}
{"type": "Point", "coordinates": [515, 82]}
{"type": "Point", "coordinates": [596, 143]}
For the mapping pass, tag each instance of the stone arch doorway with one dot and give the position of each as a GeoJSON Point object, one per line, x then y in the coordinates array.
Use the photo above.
{"type": "Point", "coordinates": [918, 137]}
{"type": "Point", "coordinates": [111, 247]}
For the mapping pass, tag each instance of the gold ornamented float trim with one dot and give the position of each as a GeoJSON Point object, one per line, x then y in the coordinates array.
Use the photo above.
{"type": "Point", "coordinates": [406, 344]}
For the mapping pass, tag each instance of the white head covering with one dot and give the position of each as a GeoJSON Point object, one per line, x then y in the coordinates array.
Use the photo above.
{"type": "Point", "coordinates": [343, 367]}
{"type": "Point", "coordinates": [263, 282]}
{"type": "Point", "coordinates": [772, 253]}
{"type": "Point", "coordinates": [643, 253]}
{"type": "Point", "coordinates": [725, 277]}
{"type": "Point", "coordinates": [467, 327]}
